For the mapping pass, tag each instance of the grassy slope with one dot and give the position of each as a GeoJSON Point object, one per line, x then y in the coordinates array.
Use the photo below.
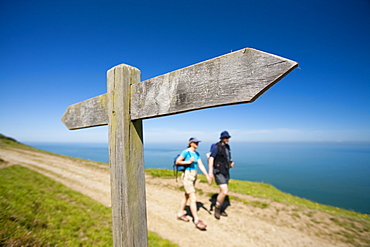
{"type": "Point", "coordinates": [266, 191]}
{"type": "Point", "coordinates": [322, 220]}
{"type": "Point", "coordinates": [37, 211]}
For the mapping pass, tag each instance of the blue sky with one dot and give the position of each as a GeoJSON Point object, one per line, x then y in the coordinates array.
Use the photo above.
{"type": "Point", "coordinates": [56, 53]}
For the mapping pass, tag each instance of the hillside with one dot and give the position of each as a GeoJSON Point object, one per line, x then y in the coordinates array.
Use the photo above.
{"type": "Point", "coordinates": [252, 221]}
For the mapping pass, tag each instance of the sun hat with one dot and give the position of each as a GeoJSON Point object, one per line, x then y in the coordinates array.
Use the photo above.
{"type": "Point", "coordinates": [193, 139]}
{"type": "Point", "coordinates": [224, 134]}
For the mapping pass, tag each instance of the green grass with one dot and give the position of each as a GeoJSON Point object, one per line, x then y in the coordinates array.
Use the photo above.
{"type": "Point", "coordinates": [267, 191]}
{"type": "Point", "coordinates": [37, 211]}
{"type": "Point", "coordinates": [354, 226]}
{"type": "Point", "coordinates": [169, 174]}
{"type": "Point", "coordinates": [9, 142]}
{"type": "Point", "coordinates": [161, 173]}
{"type": "Point", "coordinates": [32, 208]}
{"type": "Point", "coordinates": [264, 190]}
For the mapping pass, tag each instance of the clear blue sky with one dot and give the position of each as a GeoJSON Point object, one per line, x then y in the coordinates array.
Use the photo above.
{"type": "Point", "coordinates": [56, 53]}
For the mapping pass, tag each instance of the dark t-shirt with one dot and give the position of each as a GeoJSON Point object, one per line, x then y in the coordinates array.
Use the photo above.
{"type": "Point", "coordinates": [214, 152]}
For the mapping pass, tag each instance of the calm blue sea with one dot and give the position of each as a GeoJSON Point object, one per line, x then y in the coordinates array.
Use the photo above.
{"type": "Point", "coordinates": [336, 174]}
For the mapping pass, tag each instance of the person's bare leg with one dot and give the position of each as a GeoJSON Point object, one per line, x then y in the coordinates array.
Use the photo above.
{"type": "Point", "coordinates": [182, 206]}
{"type": "Point", "coordinates": [224, 190]}
{"type": "Point", "coordinates": [194, 211]}
{"type": "Point", "coordinates": [193, 206]}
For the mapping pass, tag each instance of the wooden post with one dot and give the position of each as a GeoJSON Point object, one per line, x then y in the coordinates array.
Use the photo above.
{"type": "Point", "coordinates": [234, 78]}
{"type": "Point", "coordinates": [126, 161]}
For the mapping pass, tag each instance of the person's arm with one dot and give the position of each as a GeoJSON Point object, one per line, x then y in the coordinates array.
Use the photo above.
{"type": "Point", "coordinates": [203, 169]}
{"type": "Point", "coordinates": [211, 160]}
{"type": "Point", "coordinates": [210, 167]}
{"type": "Point", "coordinates": [181, 160]}
{"type": "Point", "coordinates": [231, 159]}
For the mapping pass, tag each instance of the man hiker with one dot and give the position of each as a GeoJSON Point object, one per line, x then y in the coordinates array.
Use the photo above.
{"type": "Point", "coordinates": [219, 164]}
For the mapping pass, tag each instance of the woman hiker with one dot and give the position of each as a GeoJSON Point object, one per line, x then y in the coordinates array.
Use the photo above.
{"type": "Point", "coordinates": [191, 158]}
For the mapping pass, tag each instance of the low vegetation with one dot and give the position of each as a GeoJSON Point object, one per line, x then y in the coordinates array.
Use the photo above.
{"type": "Point", "coordinates": [37, 211]}
{"type": "Point", "coordinates": [314, 218]}
{"type": "Point", "coordinates": [10, 142]}
{"type": "Point", "coordinates": [267, 191]}
{"type": "Point", "coordinates": [33, 211]}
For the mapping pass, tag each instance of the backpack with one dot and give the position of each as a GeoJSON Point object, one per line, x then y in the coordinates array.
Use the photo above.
{"type": "Point", "coordinates": [220, 167]}
{"type": "Point", "coordinates": [210, 150]}
{"type": "Point", "coordinates": [178, 168]}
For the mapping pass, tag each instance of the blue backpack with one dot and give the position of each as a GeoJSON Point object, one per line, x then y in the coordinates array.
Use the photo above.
{"type": "Point", "coordinates": [178, 168]}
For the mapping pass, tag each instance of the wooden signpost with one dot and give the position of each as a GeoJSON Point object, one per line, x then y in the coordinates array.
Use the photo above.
{"type": "Point", "coordinates": [234, 78]}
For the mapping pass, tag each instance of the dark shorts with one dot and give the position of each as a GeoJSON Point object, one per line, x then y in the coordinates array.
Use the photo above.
{"type": "Point", "coordinates": [222, 178]}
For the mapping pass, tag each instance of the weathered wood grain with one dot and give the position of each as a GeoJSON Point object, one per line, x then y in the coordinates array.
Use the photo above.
{"type": "Point", "coordinates": [238, 77]}
{"type": "Point", "coordinates": [126, 161]}
{"type": "Point", "coordinates": [88, 113]}
{"type": "Point", "coordinates": [234, 78]}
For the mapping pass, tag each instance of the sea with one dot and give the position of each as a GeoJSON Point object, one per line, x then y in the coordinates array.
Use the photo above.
{"type": "Point", "coordinates": [336, 174]}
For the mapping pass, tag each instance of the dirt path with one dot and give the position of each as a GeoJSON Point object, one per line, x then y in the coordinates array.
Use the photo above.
{"type": "Point", "coordinates": [277, 225]}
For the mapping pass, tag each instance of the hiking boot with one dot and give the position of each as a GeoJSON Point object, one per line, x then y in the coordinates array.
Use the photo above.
{"type": "Point", "coordinates": [217, 212]}
{"type": "Point", "coordinates": [223, 213]}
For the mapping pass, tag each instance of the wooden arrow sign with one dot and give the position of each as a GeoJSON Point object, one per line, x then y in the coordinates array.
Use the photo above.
{"type": "Point", "coordinates": [234, 78]}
